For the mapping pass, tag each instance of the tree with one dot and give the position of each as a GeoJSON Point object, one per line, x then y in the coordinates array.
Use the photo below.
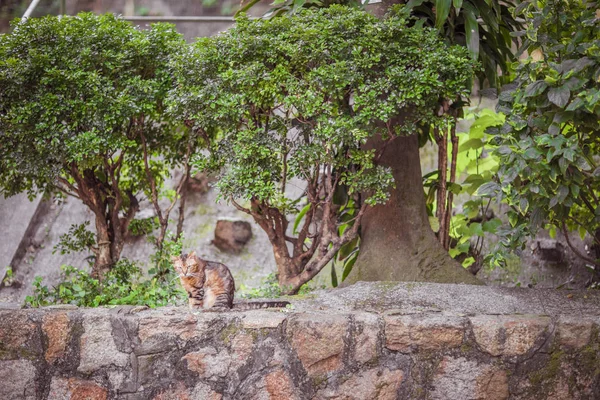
{"type": "Point", "coordinates": [296, 98]}
{"type": "Point", "coordinates": [550, 142]}
{"type": "Point", "coordinates": [486, 29]}
{"type": "Point", "coordinates": [81, 111]}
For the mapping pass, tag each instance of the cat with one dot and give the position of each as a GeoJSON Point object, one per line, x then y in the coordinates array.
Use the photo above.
{"type": "Point", "coordinates": [210, 284]}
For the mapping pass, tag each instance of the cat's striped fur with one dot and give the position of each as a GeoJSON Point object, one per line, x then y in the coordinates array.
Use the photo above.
{"type": "Point", "coordinates": [210, 284]}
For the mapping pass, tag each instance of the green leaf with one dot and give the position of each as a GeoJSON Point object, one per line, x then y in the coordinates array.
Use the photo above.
{"type": "Point", "coordinates": [472, 33]}
{"type": "Point", "coordinates": [442, 10]}
{"type": "Point", "coordinates": [535, 88]}
{"type": "Point", "coordinates": [471, 144]}
{"type": "Point", "coordinates": [523, 205]}
{"type": "Point", "coordinates": [457, 5]}
{"type": "Point", "coordinates": [563, 192]}
{"type": "Point", "coordinates": [576, 104]}
{"type": "Point", "coordinates": [492, 225]}
{"type": "Point", "coordinates": [467, 262]}
{"type": "Point", "coordinates": [348, 264]}
{"type": "Point", "coordinates": [434, 223]}
{"type": "Point", "coordinates": [334, 281]}
{"type": "Point", "coordinates": [348, 248]}
{"type": "Point", "coordinates": [559, 95]}
{"type": "Point", "coordinates": [299, 217]}
{"type": "Point", "coordinates": [490, 189]}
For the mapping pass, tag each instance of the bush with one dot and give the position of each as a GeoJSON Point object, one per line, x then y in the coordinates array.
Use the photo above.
{"type": "Point", "coordinates": [123, 284]}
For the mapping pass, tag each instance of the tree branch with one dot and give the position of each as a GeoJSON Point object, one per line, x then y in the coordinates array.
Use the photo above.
{"type": "Point", "coordinates": [573, 248]}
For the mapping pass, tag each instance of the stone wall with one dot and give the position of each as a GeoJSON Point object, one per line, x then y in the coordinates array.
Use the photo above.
{"type": "Point", "coordinates": [370, 341]}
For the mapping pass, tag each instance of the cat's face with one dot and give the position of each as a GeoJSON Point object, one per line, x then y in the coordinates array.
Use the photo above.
{"type": "Point", "coordinates": [188, 267]}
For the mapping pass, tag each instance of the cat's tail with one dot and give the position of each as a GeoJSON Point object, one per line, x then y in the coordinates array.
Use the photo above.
{"type": "Point", "coordinates": [256, 305]}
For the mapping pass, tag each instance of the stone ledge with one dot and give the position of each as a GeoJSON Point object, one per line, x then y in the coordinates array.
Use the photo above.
{"type": "Point", "coordinates": [411, 347]}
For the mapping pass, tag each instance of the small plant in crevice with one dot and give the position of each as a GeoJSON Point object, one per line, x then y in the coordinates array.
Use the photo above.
{"type": "Point", "coordinates": [269, 289]}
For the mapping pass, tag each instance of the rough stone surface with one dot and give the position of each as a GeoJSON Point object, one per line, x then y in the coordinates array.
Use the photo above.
{"type": "Point", "coordinates": [319, 341]}
{"type": "Point", "coordinates": [313, 351]}
{"type": "Point", "coordinates": [508, 335]}
{"type": "Point", "coordinates": [382, 384]}
{"type": "Point", "coordinates": [231, 235]}
{"type": "Point", "coordinates": [279, 386]}
{"type": "Point", "coordinates": [17, 335]}
{"type": "Point", "coordinates": [76, 389]}
{"type": "Point", "coordinates": [17, 380]}
{"type": "Point", "coordinates": [574, 332]}
{"type": "Point", "coordinates": [56, 329]}
{"type": "Point", "coordinates": [98, 348]}
{"type": "Point", "coordinates": [419, 332]}
{"type": "Point", "coordinates": [208, 362]}
{"type": "Point", "coordinates": [460, 378]}
{"type": "Point", "coordinates": [368, 328]}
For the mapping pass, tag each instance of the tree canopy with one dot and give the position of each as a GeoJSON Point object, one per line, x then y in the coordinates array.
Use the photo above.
{"type": "Point", "coordinates": [296, 98]}
{"type": "Point", "coordinates": [81, 103]}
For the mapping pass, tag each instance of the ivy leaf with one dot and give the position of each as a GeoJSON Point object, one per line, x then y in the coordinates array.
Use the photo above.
{"type": "Point", "coordinates": [559, 96]}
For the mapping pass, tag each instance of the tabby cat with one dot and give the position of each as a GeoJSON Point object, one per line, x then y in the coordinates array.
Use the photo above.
{"type": "Point", "coordinates": [210, 284]}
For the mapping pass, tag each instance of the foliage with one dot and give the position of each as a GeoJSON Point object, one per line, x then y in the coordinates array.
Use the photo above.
{"type": "Point", "coordinates": [476, 165]}
{"type": "Point", "coordinates": [294, 99]}
{"type": "Point", "coordinates": [78, 95]}
{"type": "Point", "coordinates": [77, 239]}
{"type": "Point", "coordinates": [145, 226]}
{"type": "Point", "coordinates": [291, 7]}
{"type": "Point", "coordinates": [269, 289]}
{"type": "Point", "coordinates": [484, 27]}
{"type": "Point", "coordinates": [549, 145]}
{"type": "Point", "coordinates": [123, 284]}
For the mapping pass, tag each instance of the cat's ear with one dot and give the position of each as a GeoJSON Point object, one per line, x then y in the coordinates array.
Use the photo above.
{"type": "Point", "coordinates": [192, 254]}
{"type": "Point", "coordinates": [174, 259]}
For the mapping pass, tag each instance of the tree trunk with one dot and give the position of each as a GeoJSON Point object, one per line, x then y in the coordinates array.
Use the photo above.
{"type": "Point", "coordinates": [104, 256]}
{"type": "Point", "coordinates": [397, 243]}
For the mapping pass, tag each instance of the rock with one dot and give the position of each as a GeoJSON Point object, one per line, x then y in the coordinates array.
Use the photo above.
{"type": "Point", "coordinates": [574, 332]}
{"type": "Point", "coordinates": [508, 335]}
{"type": "Point", "coordinates": [231, 236]}
{"type": "Point", "coordinates": [492, 383]}
{"type": "Point", "coordinates": [261, 319]}
{"type": "Point", "coordinates": [18, 336]}
{"type": "Point", "coordinates": [165, 332]}
{"type": "Point", "coordinates": [408, 333]}
{"type": "Point", "coordinates": [17, 380]}
{"type": "Point", "coordinates": [318, 340]}
{"type": "Point", "coordinates": [368, 327]}
{"type": "Point", "coordinates": [208, 362]}
{"type": "Point", "coordinates": [376, 383]}
{"type": "Point", "coordinates": [459, 378]}
{"type": "Point", "coordinates": [279, 386]}
{"type": "Point", "coordinates": [203, 392]}
{"type": "Point", "coordinates": [56, 329]}
{"type": "Point", "coordinates": [241, 349]}
{"type": "Point", "coordinates": [76, 389]}
{"type": "Point", "coordinates": [98, 348]}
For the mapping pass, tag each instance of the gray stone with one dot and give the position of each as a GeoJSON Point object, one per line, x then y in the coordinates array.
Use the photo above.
{"type": "Point", "coordinates": [98, 348]}
{"type": "Point", "coordinates": [17, 377]}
